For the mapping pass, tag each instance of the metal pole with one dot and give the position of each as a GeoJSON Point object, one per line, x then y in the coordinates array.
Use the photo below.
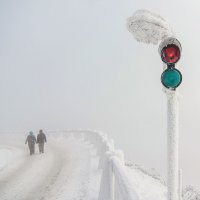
{"type": "Point", "coordinates": [172, 145]}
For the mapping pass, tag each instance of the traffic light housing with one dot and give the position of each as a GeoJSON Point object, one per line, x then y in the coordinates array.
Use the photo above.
{"type": "Point", "coordinates": [170, 52]}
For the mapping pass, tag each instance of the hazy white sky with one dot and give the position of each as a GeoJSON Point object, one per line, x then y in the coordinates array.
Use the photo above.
{"type": "Point", "coordinates": [73, 64]}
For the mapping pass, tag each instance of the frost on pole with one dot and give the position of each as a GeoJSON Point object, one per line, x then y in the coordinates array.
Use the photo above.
{"type": "Point", "coordinates": [148, 27]}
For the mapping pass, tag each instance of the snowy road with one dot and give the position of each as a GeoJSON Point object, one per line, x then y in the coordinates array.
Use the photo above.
{"type": "Point", "coordinates": [61, 173]}
{"type": "Point", "coordinates": [68, 170]}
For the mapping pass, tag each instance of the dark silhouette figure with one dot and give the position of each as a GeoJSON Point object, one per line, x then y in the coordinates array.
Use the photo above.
{"type": "Point", "coordinates": [31, 142]}
{"type": "Point", "coordinates": [41, 139]}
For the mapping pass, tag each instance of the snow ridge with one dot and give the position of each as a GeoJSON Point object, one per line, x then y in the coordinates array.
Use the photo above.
{"type": "Point", "coordinates": [149, 172]}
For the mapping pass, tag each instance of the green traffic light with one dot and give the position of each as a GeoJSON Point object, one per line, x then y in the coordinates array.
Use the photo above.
{"type": "Point", "coordinates": [171, 78]}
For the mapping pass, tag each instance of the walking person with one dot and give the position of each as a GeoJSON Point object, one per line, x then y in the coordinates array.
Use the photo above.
{"type": "Point", "coordinates": [31, 142]}
{"type": "Point", "coordinates": [41, 139]}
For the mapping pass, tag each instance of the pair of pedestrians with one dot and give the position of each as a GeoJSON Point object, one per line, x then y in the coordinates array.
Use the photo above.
{"type": "Point", "coordinates": [31, 140]}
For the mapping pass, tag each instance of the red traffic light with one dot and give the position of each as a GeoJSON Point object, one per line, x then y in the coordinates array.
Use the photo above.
{"type": "Point", "coordinates": [170, 50]}
{"type": "Point", "coordinates": [170, 54]}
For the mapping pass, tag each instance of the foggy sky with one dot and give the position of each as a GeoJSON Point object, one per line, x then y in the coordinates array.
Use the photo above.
{"type": "Point", "coordinates": [73, 64]}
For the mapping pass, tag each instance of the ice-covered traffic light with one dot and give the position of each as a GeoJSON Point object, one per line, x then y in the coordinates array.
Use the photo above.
{"type": "Point", "coordinates": [171, 78]}
{"type": "Point", "coordinates": [170, 52]}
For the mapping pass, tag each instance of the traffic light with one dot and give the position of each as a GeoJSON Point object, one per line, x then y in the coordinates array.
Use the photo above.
{"type": "Point", "coordinates": [170, 52]}
{"type": "Point", "coordinates": [171, 78]}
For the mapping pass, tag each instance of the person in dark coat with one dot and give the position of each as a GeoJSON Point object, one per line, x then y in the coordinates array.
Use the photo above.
{"type": "Point", "coordinates": [31, 142]}
{"type": "Point", "coordinates": [41, 139]}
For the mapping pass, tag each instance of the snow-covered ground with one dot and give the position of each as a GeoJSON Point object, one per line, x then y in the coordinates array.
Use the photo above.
{"type": "Point", "coordinates": [147, 186]}
{"type": "Point", "coordinates": [68, 170]}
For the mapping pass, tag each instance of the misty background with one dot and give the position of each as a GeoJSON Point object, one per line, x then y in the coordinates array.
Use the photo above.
{"type": "Point", "coordinates": [73, 64]}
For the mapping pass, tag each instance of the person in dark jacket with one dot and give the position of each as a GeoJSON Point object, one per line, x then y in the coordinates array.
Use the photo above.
{"type": "Point", "coordinates": [31, 142]}
{"type": "Point", "coordinates": [41, 139]}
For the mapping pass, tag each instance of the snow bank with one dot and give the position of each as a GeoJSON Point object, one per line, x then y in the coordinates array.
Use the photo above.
{"type": "Point", "coordinates": [126, 188]}
{"type": "Point", "coordinates": [149, 172]}
{"type": "Point", "coordinates": [147, 187]}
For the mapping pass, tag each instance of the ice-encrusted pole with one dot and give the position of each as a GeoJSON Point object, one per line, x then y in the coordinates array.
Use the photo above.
{"type": "Point", "coordinates": [149, 27]}
{"type": "Point", "coordinates": [173, 145]}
